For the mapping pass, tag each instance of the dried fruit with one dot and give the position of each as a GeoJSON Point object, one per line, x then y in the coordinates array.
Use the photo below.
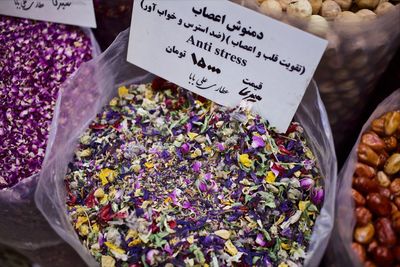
{"type": "Point", "coordinates": [368, 155]}
{"type": "Point", "coordinates": [390, 143]}
{"type": "Point", "coordinates": [383, 157]}
{"type": "Point", "coordinates": [383, 191]}
{"type": "Point", "coordinates": [365, 185]}
{"type": "Point", "coordinates": [359, 250]}
{"type": "Point", "coordinates": [395, 187]}
{"type": "Point", "coordinates": [392, 122]}
{"type": "Point", "coordinates": [383, 256]}
{"type": "Point", "coordinates": [364, 170]}
{"type": "Point", "coordinates": [364, 234]}
{"type": "Point", "coordinates": [379, 205]}
{"type": "Point", "coordinates": [378, 126]}
{"type": "Point", "coordinates": [358, 198]}
{"type": "Point", "coordinates": [396, 221]}
{"type": "Point", "coordinates": [363, 216]}
{"type": "Point", "coordinates": [384, 232]}
{"type": "Point", "coordinates": [392, 165]}
{"type": "Point", "coordinates": [383, 179]}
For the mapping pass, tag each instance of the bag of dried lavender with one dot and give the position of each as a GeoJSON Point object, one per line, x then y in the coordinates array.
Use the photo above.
{"type": "Point", "coordinates": [35, 59]}
{"type": "Point", "coordinates": [141, 172]}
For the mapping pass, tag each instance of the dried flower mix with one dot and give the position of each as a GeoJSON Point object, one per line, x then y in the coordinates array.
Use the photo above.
{"type": "Point", "coordinates": [164, 178]}
{"type": "Point", "coordinates": [35, 59]}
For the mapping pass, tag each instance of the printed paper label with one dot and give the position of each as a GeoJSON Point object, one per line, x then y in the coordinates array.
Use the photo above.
{"type": "Point", "coordinates": [226, 53]}
{"type": "Point", "coordinates": [73, 12]}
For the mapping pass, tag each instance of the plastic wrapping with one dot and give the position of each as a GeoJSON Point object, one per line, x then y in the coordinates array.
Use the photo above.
{"type": "Point", "coordinates": [357, 55]}
{"type": "Point", "coordinates": [340, 252]}
{"type": "Point", "coordinates": [93, 87]}
{"type": "Point", "coordinates": [22, 226]}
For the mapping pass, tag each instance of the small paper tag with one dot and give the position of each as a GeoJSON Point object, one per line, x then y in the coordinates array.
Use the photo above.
{"type": "Point", "coordinates": [73, 12]}
{"type": "Point", "coordinates": [226, 53]}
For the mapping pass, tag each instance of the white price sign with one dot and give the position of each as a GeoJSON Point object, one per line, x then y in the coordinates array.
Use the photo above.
{"type": "Point", "coordinates": [73, 12]}
{"type": "Point", "coordinates": [226, 53]}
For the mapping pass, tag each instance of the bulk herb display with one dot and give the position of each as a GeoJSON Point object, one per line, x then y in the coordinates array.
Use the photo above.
{"type": "Point", "coordinates": [164, 178]}
{"type": "Point", "coordinates": [376, 193]}
{"type": "Point", "coordinates": [35, 59]}
{"type": "Point", "coordinates": [363, 36]}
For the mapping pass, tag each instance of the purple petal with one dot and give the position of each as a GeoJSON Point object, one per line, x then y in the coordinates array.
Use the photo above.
{"type": "Point", "coordinates": [307, 183]}
{"type": "Point", "coordinates": [220, 147]}
{"type": "Point", "coordinates": [185, 148]}
{"type": "Point", "coordinates": [196, 166]}
{"type": "Point", "coordinates": [257, 141]}
{"type": "Point", "coordinates": [202, 187]}
{"type": "Point", "coordinates": [260, 240]}
{"type": "Point", "coordinates": [186, 205]}
{"type": "Point", "coordinates": [317, 195]}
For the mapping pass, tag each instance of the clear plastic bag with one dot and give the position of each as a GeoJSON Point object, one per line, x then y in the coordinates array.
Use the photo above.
{"type": "Point", "coordinates": [22, 226]}
{"type": "Point", "coordinates": [93, 87]}
{"type": "Point", "coordinates": [357, 55]}
{"type": "Point", "coordinates": [340, 252]}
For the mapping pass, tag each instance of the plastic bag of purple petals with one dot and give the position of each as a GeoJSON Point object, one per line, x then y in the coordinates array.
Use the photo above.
{"type": "Point", "coordinates": [35, 59]}
{"type": "Point", "coordinates": [97, 83]}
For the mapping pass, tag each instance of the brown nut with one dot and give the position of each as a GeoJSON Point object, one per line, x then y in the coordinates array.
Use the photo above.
{"type": "Point", "coordinates": [370, 4]}
{"type": "Point", "coordinates": [385, 233]}
{"type": "Point", "coordinates": [390, 143]}
{"type": "Point", "coordinates": [359, 200]}
{"type": "Point", "coordinates": [383, 256]}
{"type": "Point", "coordinates": [392, 165]}
{"type": "Point", "coordinates": [395, 187]}
{"type": "Point", "coordinates": [330, 9]}
{"type": "Point", "coordinates": [383, 179]}
{"type": "Point", "coordinates": [372, 140]}
{"type": "Point", "coordinates": [366, 14]}
{"type": "Point", "coordinates": [365, 185]}
{"type": "Point", "coordinates": [316, 6]}
{"type": "Point", "coordinates": [392, 122]}
{"type": "Point", "coordinates": [368, 155]}
{"type": "Point", "coordinates": [383, 191]}
{"type": "Point", "coordinates": [364, 234]}
{"type": "Point", "coordinates": [344, 4]}
{"type": "Point", "coordinates": [359, 250]}
{"type": "Point", "coordinates": [363, 216]}
{"type": "Point", "coordinates": [364, 170]}
{"type": "Point", "coordinates": [396, 221]}
{"type": "Point", "coordinates": [369, 264]}
{"type": "Point", "coordinates": [378, 126]}
{"type": "Point", "coordinates": [379, 205]}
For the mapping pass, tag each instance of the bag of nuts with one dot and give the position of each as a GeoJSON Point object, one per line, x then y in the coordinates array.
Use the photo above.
{"type": "Point", "coordinates": [363, 36]}
{"type": "Point", "coordinates": [367, 224]}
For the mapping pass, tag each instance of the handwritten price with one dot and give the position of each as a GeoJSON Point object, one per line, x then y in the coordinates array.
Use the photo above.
{"type": "Point", "coordinates": [202, 64]}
